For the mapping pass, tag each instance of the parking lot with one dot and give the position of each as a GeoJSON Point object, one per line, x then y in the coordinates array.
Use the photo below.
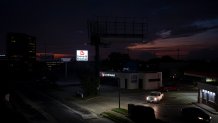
{"type": "Point", "coordinates": [168, 109]}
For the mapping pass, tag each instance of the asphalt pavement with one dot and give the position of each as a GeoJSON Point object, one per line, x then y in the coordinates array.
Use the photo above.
{"type": "Point", "coordinates": [61, 104]}
{"type": "Point", "coordinates": [54, 109]}
{"type": "Point", "coordinates": [167, 110]}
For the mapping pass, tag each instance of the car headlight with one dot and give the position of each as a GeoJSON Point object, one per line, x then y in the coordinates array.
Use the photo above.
{"type": "Point", "coordinates": [147, 98]}
{"type": "Point", "coordinates": [155, 99]}
{"type": "Point", "coordinates": [200, 118]}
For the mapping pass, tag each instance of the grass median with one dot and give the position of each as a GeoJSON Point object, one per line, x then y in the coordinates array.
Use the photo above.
{"type": "Point", "coordinates": [118, 115]}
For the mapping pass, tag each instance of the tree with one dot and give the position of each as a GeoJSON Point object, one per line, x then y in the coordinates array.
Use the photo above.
{"type": "Point", "coordinates": [167, 59]}
{"type": "Point", "coordinates": [117, 60]}
{"type": "Point", "coordinates": [88, 80]}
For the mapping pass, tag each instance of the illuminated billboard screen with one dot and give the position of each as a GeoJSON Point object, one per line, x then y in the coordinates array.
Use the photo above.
{"type": "Point", "coordinates": [82, 55]}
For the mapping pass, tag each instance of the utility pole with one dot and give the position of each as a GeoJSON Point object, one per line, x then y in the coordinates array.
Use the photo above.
{"type": "Point", "coordinates": [178, 54]}
{"type": "Point", "coordinates": [119, 90]}
{"type": "Point", "coordinates": [97, 61]}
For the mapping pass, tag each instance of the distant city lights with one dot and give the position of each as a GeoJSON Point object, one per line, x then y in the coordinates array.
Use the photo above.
{"type": "Point", "coordinates": [2, 55]}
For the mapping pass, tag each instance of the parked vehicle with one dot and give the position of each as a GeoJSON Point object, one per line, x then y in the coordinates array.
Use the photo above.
{"type": "Point", "coordinates": [195, 115]}
{"type": "Point", "coordinates": [80, 93]}
{"type": "Point", "coordinates": [154, 96]}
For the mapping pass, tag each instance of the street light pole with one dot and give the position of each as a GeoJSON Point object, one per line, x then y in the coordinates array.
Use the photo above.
{"type": "Point", "coordinates": [119, 90]}
{"type": "Point", "coordinates": [66, 70]}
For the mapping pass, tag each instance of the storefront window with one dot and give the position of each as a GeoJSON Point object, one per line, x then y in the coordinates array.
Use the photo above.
{"type": "Point", "coordinates": [211, 96]}
{"type": "Point", "coordinates": [134, 78]}
{"type": "Point", "coordinates": [204, 94]}
{"type": "Point", "coordinates": [208, 95]}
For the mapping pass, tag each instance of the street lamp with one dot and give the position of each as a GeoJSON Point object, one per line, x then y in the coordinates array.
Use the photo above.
{"type": "Point", "coordinates": [119, 90]}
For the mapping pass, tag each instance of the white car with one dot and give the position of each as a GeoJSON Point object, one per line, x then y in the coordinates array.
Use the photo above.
{"type": "Point", "coordinates": [154, 96]}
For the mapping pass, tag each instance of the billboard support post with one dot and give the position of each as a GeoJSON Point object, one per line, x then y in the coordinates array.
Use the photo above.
{"type": "Point", "coordinates": [104, 30]}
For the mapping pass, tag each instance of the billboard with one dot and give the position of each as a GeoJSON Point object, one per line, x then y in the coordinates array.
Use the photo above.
{"type": "Point", "coordinates": [82, 55]}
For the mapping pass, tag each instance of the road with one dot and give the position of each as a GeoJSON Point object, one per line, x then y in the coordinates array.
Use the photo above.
{"type": "Point", "coordinates": [8, 115]}
{"type": "Point", "coordinates": [55, 111]}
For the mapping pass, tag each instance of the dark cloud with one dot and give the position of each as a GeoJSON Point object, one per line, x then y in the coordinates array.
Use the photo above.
{"type": "Point", "coordinates": [178, 17]}
{"type": "Point", "coordinates": [186, 31]}
{"type": "Point", "coordinates": [59, 22]}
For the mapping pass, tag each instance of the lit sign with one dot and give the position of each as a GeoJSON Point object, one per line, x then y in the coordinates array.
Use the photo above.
{"type": "Point", "coordinates": [107, 74]}
{"type": "Point", "coordinates": [210, 80]}
{"type": "Point", "coordinates": [65, 59]}
{"type": "Point", "coordinates": [82, 55]}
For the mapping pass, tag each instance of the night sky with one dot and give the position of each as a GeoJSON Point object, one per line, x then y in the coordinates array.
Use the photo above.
{"type": "Point", "coordinates": [60, 26]}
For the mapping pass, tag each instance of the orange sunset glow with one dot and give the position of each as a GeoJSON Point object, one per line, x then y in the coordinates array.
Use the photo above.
{"type": "Point", "coordinates": [177, 46]}
{"type": "Point", "coordinates": [55, 55]}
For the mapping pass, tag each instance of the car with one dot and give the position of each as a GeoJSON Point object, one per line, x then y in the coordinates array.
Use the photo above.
{"type": "Point", "coordinates": [154, 96]}
{"type": "Point", "coordinates": [195, 115]}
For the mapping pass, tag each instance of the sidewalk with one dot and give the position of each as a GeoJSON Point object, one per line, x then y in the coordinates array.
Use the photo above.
{"type": "Point", "coordinates": [207, 108]}
{"type": "Point", "coordinates": [87, 115]}
{"type": "Point", "coordinates": [62, 97]}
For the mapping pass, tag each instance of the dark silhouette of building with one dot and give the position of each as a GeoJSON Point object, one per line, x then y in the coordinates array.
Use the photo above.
{"type": "Point", "coordinates": [21, 47]}
{"type": "Point", "coordinates": [21, 53]}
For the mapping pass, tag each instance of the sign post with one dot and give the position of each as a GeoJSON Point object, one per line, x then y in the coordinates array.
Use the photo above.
{"type": "Point", "coordinates": [66, 60]}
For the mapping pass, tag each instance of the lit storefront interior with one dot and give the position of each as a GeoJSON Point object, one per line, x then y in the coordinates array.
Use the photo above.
{"type": "Point", "coordinates": [207, 89]}
{"type": "Point", "coordinates": [207, 94]}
